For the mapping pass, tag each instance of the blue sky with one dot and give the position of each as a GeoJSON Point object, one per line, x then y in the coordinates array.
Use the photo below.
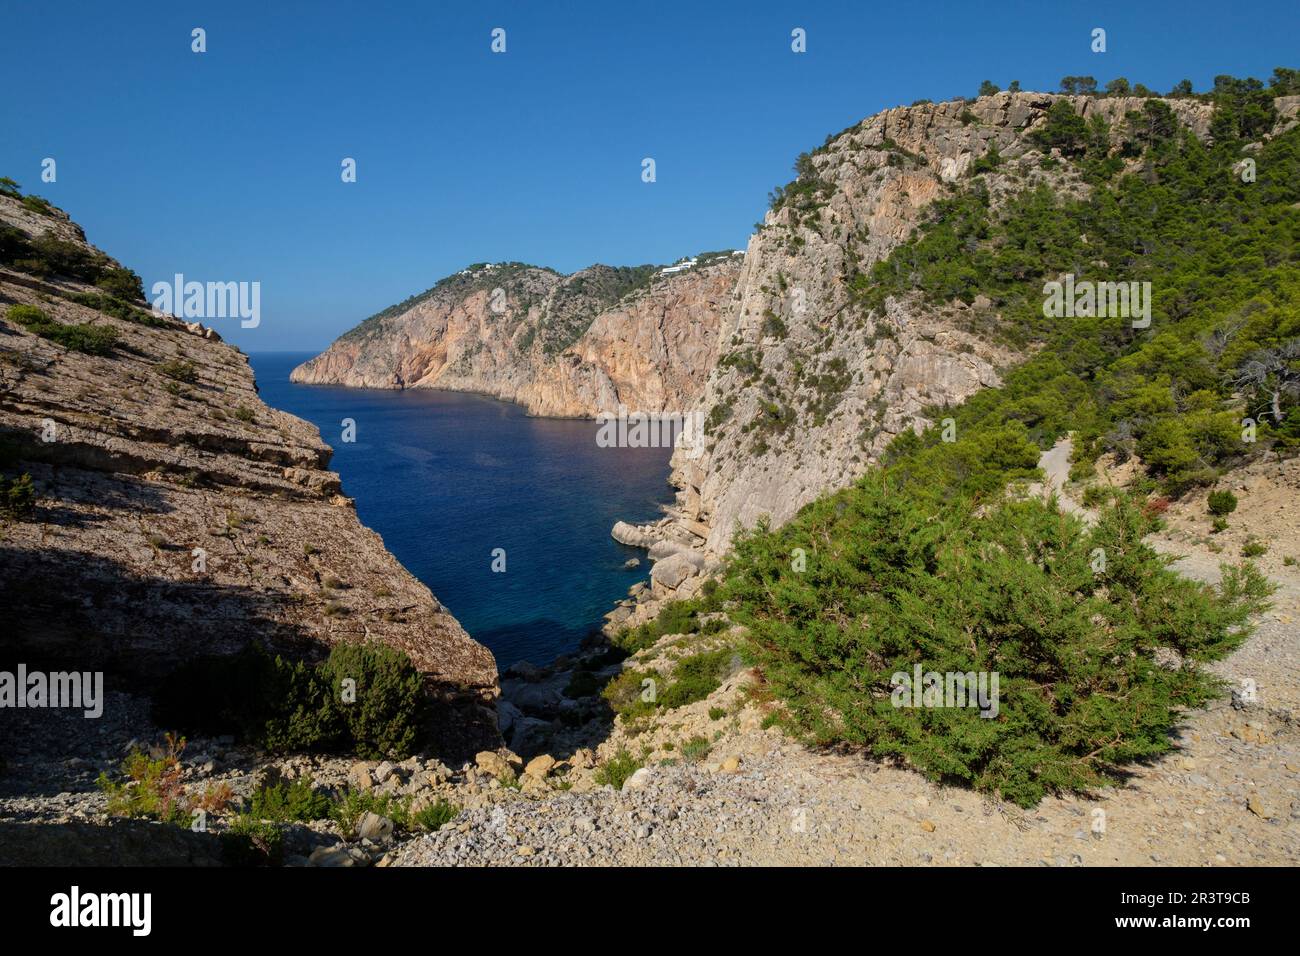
{"type": "Point", "coordinates": [225, 165]}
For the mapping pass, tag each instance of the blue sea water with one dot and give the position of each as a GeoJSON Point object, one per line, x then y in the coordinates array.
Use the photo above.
{"type": "Point", "coordinates": [446, 477]}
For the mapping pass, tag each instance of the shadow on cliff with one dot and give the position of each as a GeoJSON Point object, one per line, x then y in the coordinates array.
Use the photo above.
{"type": "Point", "coordinates": [72, 611]}
{"type": "Point", "coordinates": [119, 842]}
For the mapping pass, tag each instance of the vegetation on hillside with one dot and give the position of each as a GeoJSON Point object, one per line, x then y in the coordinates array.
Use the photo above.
{"type": "Point", "coordinates": [1220, 254]}
{"type": "Point", "coordinates": [925, 561]}
{"type": "Point", "coordinates": [77, 336]}
{"type": "Point", "coordinates": [365, 699]}
{"type": "Point", "coordinates": [584, 296]}
{"type": "Point", "coordinates": [46, 255]}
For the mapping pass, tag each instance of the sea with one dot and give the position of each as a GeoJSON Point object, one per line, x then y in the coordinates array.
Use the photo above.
{"type": "Point", "coordinates": [458, 484]}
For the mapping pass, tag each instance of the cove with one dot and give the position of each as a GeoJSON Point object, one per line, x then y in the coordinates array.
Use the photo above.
{"type": "Point", "coordinates": [448, 477]}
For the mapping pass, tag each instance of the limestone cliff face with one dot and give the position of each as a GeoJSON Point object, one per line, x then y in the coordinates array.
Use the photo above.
{"type": "Point", "coordinates": [809, 387]}
{"type": "Point", "coordinates": [565, 346]}
{"type": "Point", "coordinates": [178, 515]}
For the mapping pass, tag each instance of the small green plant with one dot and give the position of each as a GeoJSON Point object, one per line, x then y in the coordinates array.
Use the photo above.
{"type": "Point", "coordinates": [353, 804]}
{"type": "Point", "coordinates": [696, 749]}
{"type": "Point", "coordinates": [178, 370]}
{"type": "Point", "coordinates": [1253, 548]}
{"type": "Point", "coordinates": [696, 677]}
{"type": "Point", "coordinates": [252, 842]}
{"type": "Point", "coordinates": [1219, 524]}
{"type": "Point", "coordinates": [615, 771]}
{"type": "Point", "coordinates": [434, 816]}
{"type": "Point", "coordinates": [245, 414]}
{"type": "Point", "coordinates": [152, 787]}
{"type": "Point", "coordinates": [38, 205]}
{"type": "Point", "coordinates": [677, 617]}
{"type": "Point", "coordinates": [17, 497]}
{"type": "Point", "coordinates": [1095, 495]}
{"type": "Point", "coordinates": [295, 800]}
{"type": "Point", "coordinates": [717, 713]}
{"type": "Point", "coordinates": [1221, 502]}
{"type": "Point", "coordinates": [1289, 561]}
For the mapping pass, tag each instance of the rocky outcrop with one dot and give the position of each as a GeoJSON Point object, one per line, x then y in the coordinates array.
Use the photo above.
{"type": "Point", "coordinates": [177, 515]}
{"type": "Point", "coordinates": [810, 386]}
{"type": "Point", "coordinates": [568, 346]}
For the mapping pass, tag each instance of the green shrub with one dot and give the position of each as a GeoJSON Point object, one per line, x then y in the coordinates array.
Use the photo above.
{"type": "Point", "coordinates": [152, 787]}
{"type": "Point", "coordinates": [81, 337]}
{"type": "Point", "coordinates": [1254, 548]}
{"type": "Point", "coordinates": [434, 816]}
{"type": "Point", "coordinates": [17, 497]}
{"type": "Point", "coordinates": [295, 706]}
{"type": "Point", "coordinates": [178, 370]}
{"type": "Point", "coordinates": [284, 801]}
{"type": "Point", "coordinates": [38, 205]}
{"type": "Point", "coordinates": [252, 842]}
{"type": "Point", "coordinates": [117, 308]}
{"type": "Point", "coordinates": [676, 617]}
{"type": "Point", "coordinates": [353, 804]}
{"type": "Point", "coordinates": [615, 771]}
{"type": "Point", "coordinates": [695, 749]}
{"type": "Point", "coordinates": [1221, 502]}
{"type": "Point", "coordinates": [1219, 525]}
{"type": "Point", "coordinates": [390, 705]}
{"type": "Point", "coordinates": [696, 677]}
{"type": "Point", "coordinates": [122, 284]}
{"type": "Point", "coordinates": [626, 693]}
{"type": "Point", "coordinates": [895, 581]}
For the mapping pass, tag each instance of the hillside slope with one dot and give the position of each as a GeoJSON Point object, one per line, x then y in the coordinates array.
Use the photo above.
{"type": "Point", "coordinates": [566, 346]}
{"type": "Point", "coordinates": [810, 386]}
{"type": "Point", "coordinates": [176, 515]}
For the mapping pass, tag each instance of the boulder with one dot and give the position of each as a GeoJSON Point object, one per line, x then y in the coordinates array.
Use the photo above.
{"type": "Point", "coordinates": [374, 828]}
{"type": "Point", "coordinates": [676, 568]}
{"type": "Point", "coordinates": [492, 764]}
{"type": "Point", "coordinates": [359, 776]}
{"type": "Point", "coordinates": [525, 671]}
{"type": "Point", "coordinates": [330, 856]}
{"type": "Point", "coordinates": [540, 766]}
{"type": "Point", "coordinates": [628, 534]}
{"type": "Point", "coordinates": [507, 714]}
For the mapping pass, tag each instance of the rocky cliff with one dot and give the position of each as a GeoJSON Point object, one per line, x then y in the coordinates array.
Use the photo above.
{"type": "Point", "coordinates": [642, 338]}
{"type": "Point", "coordinates": [176, 514]}
{"type": "Point", "coordinates": [810, 386]}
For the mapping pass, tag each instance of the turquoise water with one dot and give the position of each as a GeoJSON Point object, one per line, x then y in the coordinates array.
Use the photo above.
{"type": "Point", "coordinates": [446, 478]}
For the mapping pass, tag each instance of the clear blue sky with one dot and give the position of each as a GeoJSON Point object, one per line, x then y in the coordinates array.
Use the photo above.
{"type": "Point", "coordinates": [225, 165]}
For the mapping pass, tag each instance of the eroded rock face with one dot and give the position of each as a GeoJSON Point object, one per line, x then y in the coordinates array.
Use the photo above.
{"type": "Point", "coordinates": [564, 346]}
{"type": "Point", "coordinates": [809, 386]}
{"type": "Point", "coordinates": [180, 516]}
